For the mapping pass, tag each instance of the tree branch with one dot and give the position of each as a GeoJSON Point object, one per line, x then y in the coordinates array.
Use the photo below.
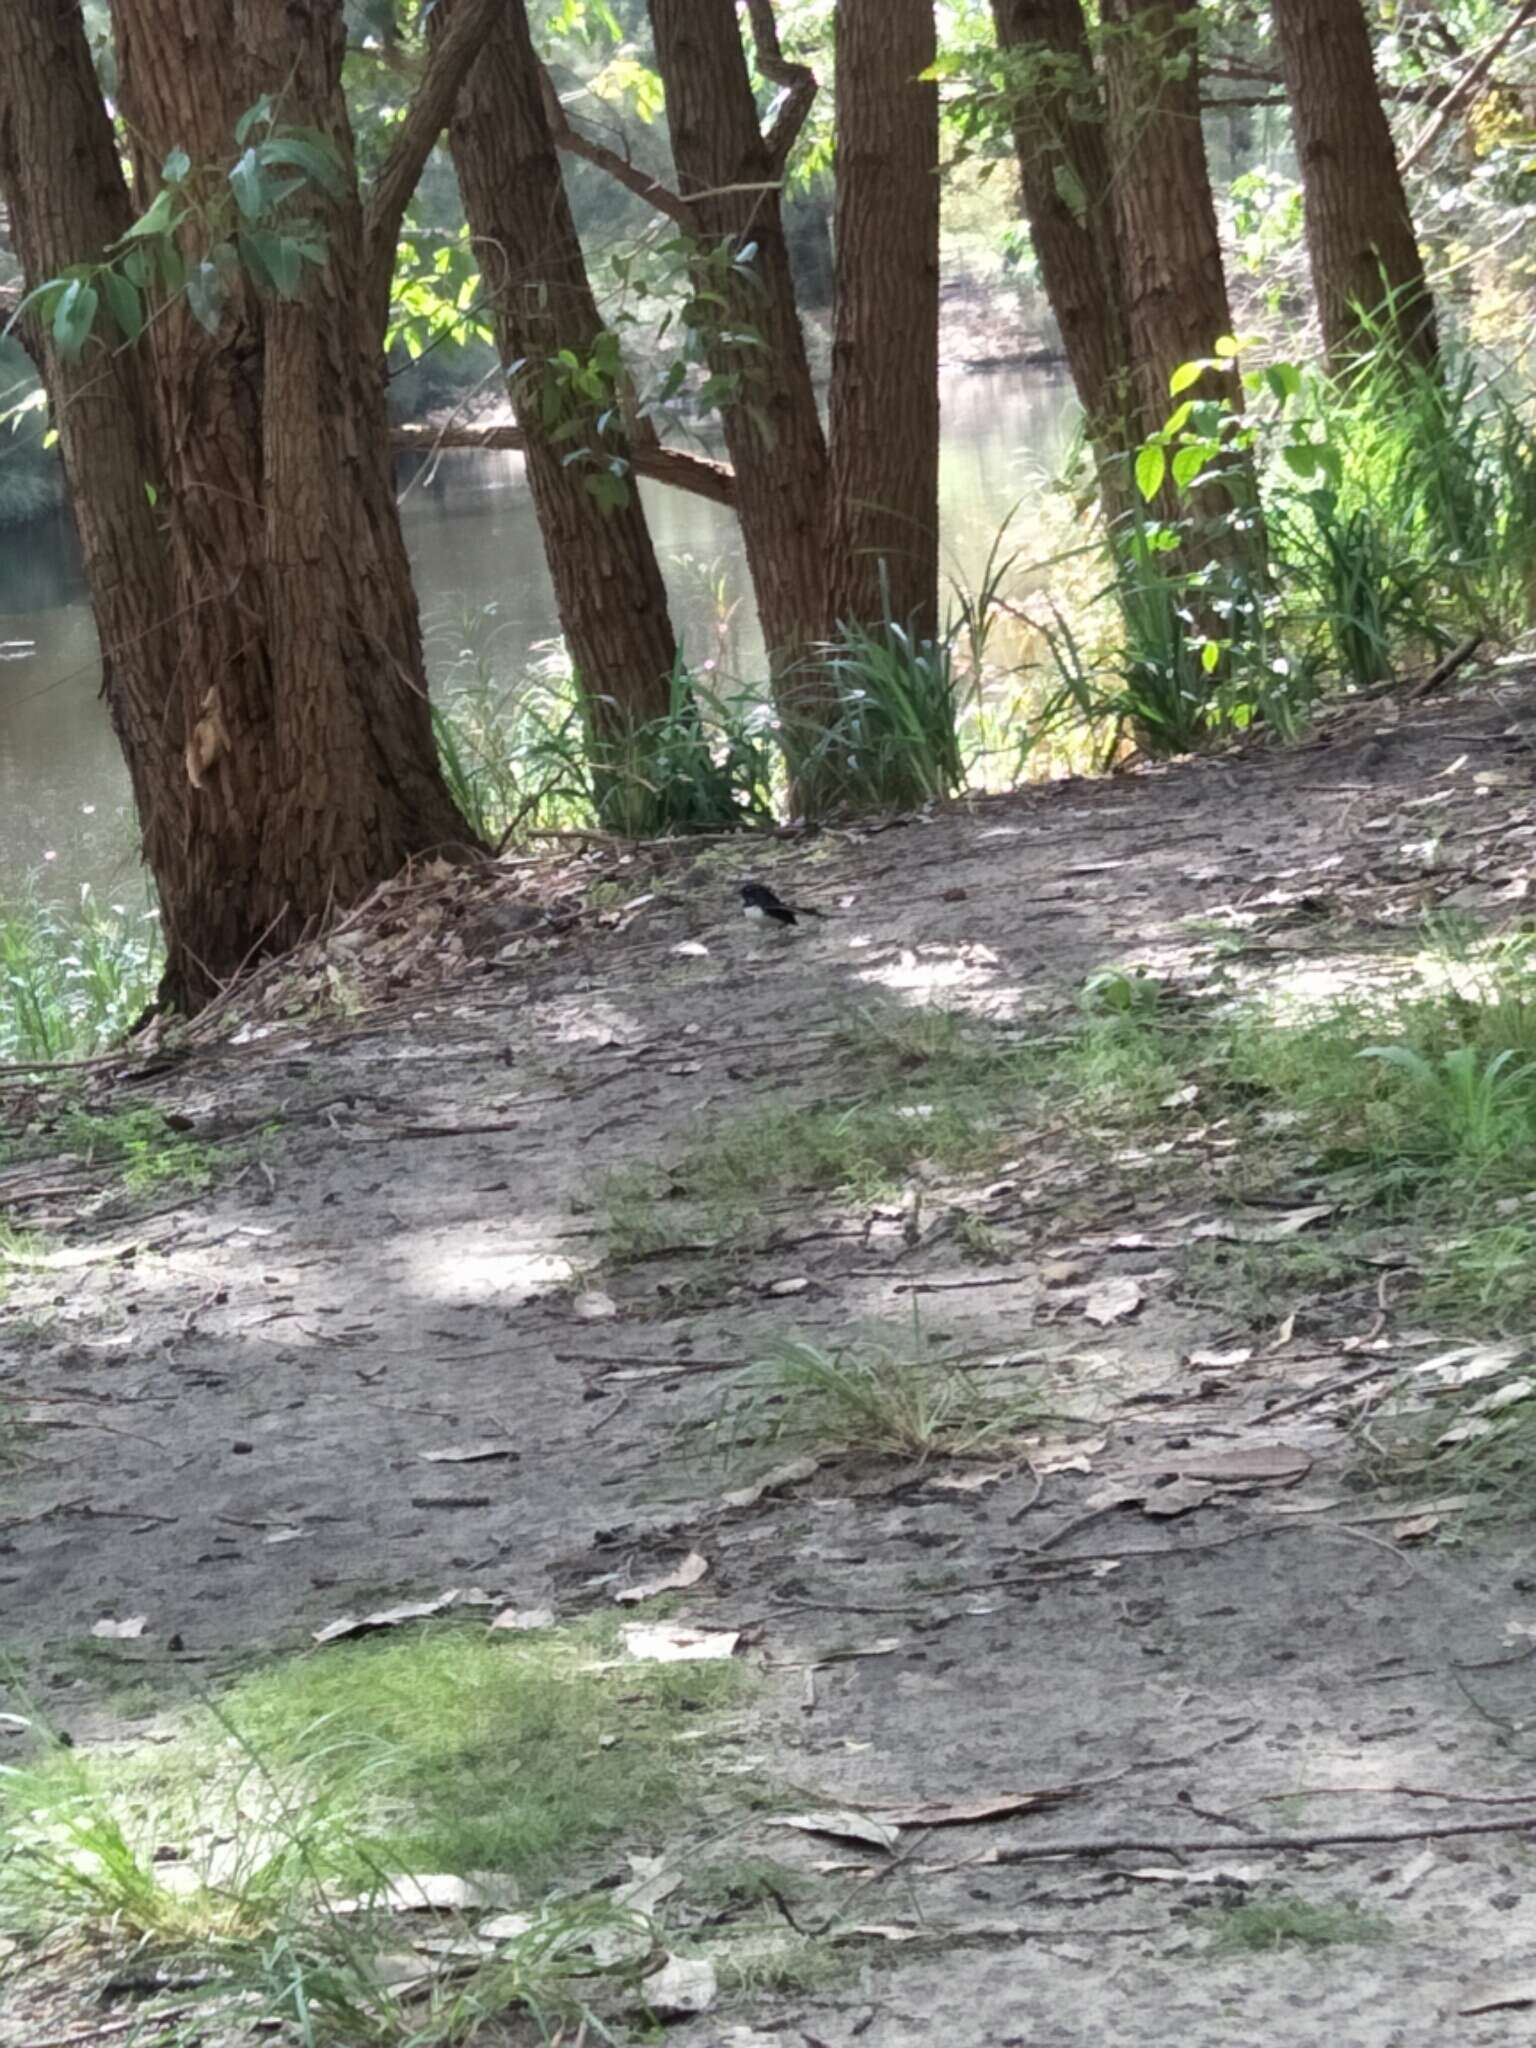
{"type": "Point", "coordinates": [674, 466]}
{"type": "Point", "coordinates": [798, 81]}
{"type": "Point", "coordinates": [619, 168]}
{"type": "Point", "coordinates": [426, 116]}
{"type": "Point", "coordinates": [1468, 83]}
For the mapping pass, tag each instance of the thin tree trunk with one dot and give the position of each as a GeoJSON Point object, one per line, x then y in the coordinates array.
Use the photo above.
{"type": "Point", "coordinates": [261, 646]}
{"type": "Point", "coordinates": [730, 176]}
{"type": "Point", "coordinates": [1367, 272]}
{"type": "Point", "coordinates": [883, 416]}
{"type": "Point", "coordinates": [608, 585]}
{"type": "Point", "coordinates": [1059, 131]}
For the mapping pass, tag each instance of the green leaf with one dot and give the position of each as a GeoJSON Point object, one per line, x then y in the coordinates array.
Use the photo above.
{"type": "Point", "coordinates": [176, 167]}
{"type": "Point", "coordinates": [1227, 346]}
{"type": "Point", "coordinates": [1185, 375]}
{"type": "Point", "coordinates": [1301, 459]}
{"type": "Point", "coordinates": [1284, 379]}
{"type": "Point", "coordinates": [1071, 191]}
{"type": "Point", "coordinates": [152, 494]}
{"type": "Point", "coordinates": [1179, 418]}
{"type": "Point", "coordinates": [258, 112]}
{"type": "Point", "coordinates": [248, 182]}
{"type": "Point", "coordinates": [123, 300]}
{"type": "Point", "coordinates": [1210, 657]}
{"type": "Point", "coordinates": [273, 260]}
{"type": "Point", "coordinates": [161, 218]}
{"type": "Point", "coordinates": [205, 295]}
{"type": "Point", "coordinates": [73, 317]}
{"type": "Point", "coordinates": [1151, 466]}
{"type": "Point", "coordinates": [311, 153]}
{"type": "Point", "coordinates": [1188, 463]}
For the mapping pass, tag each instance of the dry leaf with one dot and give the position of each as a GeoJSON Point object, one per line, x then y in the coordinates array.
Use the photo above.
{"type": "Point", "coordinates": [1219, 1361]}
{"type": "Point", "coordinates": [282, 1535]}
{"type": "Point", "coordinates": [1265, 1462]}
{"type": "Point", "coordinates": [384, 1617]}
{"type": "Point", "coordinates": [1415, 1526]}
{"type": "Point", "coordinates": [843, 1823]}
{"type": "Point", "coordinates": [688, 1573]}
{"type": "Point", "coordinates": [468, 1454]}
{"type": "Point", "coordinates": [786, 1287]}
{"type": "Point", "coordinates": [120, 1631]}
{"type": "Point", "coordinates": [524, 1618]}
{"type": "Point", "coordinates": [1285, 1330]}
{"type": "Point", "coordinates": [1288, 1225]}
{"type": "Point", "coordinates": [681, 1985]}
{"type": "Point", "coordinates": [1112, 1301]}
{"type": "Point", "coordinates": [1062, 1454]}
{"type": "Point", "coordinates": [435, 1892]}
{"type": "Point", "coordinates": [1167, 1501]}
{"type": "Point", "coordinates": [792, 1474]}
{"type": "Point", "coordinates": [970, 1482]}
{"type": "Point", "coordinates": [668, 1643]}
{"type": "Point", "coordinates": [1504, 1397]}
{"type": "Point", "coordinates": [505, 1927]}
{"type": "Point", "coordinates": [594, 1307]}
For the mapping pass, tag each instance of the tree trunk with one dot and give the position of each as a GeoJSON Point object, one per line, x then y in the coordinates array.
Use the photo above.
{"type": "Point", "coordinates": [730, 174]}
{"type": "Point", "coordinates": [1170, 252]}
{"type": "Point", "coordinates": [608, 585]}
{"type": "Point", "coordinates": [1059, 132]}
{"type": "Point", "coordinates": [883, 414]}
{"type": "Point", "coordinates": [261, 648]}
{"type": "Point", "coordinates": [1367, 272]}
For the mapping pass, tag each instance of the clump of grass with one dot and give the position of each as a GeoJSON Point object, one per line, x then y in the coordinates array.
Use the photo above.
{"type": "Point", "coordinates": [1485, 1278]}
{"type": "Point", "coordinates": [892, 740]}
{"type": "Point", "coordinates": [889, 1395]}
{"type": "Point", "coordinates": [73, 980]}
{"type": "Point", "coordinates": [1262, 1925]}
{"type": "Point", "coordinates": [142, 1147]}
{"type": "Point", "coordinates": [233, 1834]}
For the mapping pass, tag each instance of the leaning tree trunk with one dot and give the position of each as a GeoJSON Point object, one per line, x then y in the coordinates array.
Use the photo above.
{"type": "Point", "coordinates": [730, 175]}
{"type": "Point", "coordinates": [264, 666]}
{"type": "Point", "coordinates": [883, 414]}
{"type": "Point", "coordinates": [1367, 272]}
{"type": "Point", "coordinates": [1059, 133]}
{"type": "Point", "coordinates": [1170, 252]}
{"type": "Point", "coordinates": [608, 585]}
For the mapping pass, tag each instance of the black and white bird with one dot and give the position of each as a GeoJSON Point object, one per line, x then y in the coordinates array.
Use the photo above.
{"type": "Point", "coordinates": [759, 905]}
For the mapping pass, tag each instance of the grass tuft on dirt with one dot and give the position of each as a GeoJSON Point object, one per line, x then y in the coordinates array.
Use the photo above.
{"type": "Point", "coordinates": [1264, 1925]}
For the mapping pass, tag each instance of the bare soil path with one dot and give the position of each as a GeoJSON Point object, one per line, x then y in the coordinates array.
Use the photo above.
{"type": "Point", "coordinates": [234, 1399]}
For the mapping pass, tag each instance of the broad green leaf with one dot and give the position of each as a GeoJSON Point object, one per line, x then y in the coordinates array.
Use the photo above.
{"type": "Point", "coordinates": [272, 260]}
{"type": "Point", "coordinates": [152, 494]}
{"type": "Point", "coordinates": [176, 167]}
{"type": "Point", "coordinates": [205, 295]}
{"type": "Point", "coordinates": [1284, 379]}
{"type": "Point", "coordinates": [1210, 657]}
{"type": "Point", "coordinates": [1188, 463]}
{"type": "Point", "coordinates": [311, 153]}
{"type": "Point", "coordinates": [160, 219]}
{"type": "Point", "coordinates": [259, 111]}
{"type": "Point", "coordinates": [1179, 418]}
{"type": "Point", "coordinates": [73, 317]}
{"type": "Point", "coordinates": [1301, 458]}
{"type": "Point", "coordinates": [1185, 375]}
{"type": "Point", "coordinates": [1227, 346]}
{"type": "Point", "coordinates": [1071, 191]}
{"type": "Point", "coordinates": [123, 300]}
{"type": "Point", "coordinates": [1151, 467]}
{"type": "Point", "coordinates": [249, 184]}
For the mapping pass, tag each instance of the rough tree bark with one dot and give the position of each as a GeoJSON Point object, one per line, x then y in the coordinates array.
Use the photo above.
{"type": "Point", "coordinates": [1367, 272]}
{"type": "Point", "coordinates": [1170, 252]}
{"type": "Point", "coordinates": [730, 176]}
{"type": "Point", "coordinates": [608, 585]}
{"type": "Point", "coordinates": [883, 412]}
{"type": "Point", "coordinates": [1058, 123]}
{"type": "Point", "coordinates": [261, 648]}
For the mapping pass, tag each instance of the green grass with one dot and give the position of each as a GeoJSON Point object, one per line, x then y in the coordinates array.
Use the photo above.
{"type": "Point", "coordinates": [72, 981]}
{"type": "Point", "coordinates": [230, 1836]}
{"type": "Point", "coordinates": [141, 1147]}
{"type": "Point", "coordinates": [890, 1393]}
{"type": "Point", "coordinates": [1261, 1926]}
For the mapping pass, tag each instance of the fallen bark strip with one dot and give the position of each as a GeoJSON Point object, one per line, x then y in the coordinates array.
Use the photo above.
{"type": "Point", "coordinates": [674, 466]}
{"type": "Point", "coordinates": [1255, 1845]}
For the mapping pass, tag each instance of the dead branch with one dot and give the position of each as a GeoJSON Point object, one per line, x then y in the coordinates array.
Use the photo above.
{"type": "Point", "coordinates": [1474, 75]}
{"type": "Point", "coordinates": [620, 168]}
{"type": "Point", "coordinates": [1255, 1845]}
{"type": "Point", "coordinates": [675, 466]}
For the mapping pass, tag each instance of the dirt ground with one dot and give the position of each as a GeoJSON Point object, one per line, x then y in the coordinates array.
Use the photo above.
{"type": "Point", "coordinates": [234, 1394]}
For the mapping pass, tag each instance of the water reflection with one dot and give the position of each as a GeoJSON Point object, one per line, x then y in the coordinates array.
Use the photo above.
{"type": "Point", "coordinates": [474, 542]}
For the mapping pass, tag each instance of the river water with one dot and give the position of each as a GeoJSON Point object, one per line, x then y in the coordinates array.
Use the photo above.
{"type": "Point", "coordinates": [65, 818]}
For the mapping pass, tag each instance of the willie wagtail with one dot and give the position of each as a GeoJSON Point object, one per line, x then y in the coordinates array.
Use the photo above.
{"type": "Point", "coordinates": [761, 906]}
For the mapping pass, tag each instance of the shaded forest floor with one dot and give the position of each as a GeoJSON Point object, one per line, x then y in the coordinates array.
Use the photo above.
{"type": "Point", "coordinates": [452, 1288]}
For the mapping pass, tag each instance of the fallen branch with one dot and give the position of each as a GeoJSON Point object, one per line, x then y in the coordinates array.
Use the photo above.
{"type": "Point", "coordinates": [675, 466]}
{"type": "Point", "coordinates": [1256, 1845]}
{"type": "Point", "coordinates": [1444, 670]}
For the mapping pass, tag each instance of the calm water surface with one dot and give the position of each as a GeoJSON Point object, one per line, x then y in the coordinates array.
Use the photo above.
{"type": "Point", "coordinates": [65, 819]}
